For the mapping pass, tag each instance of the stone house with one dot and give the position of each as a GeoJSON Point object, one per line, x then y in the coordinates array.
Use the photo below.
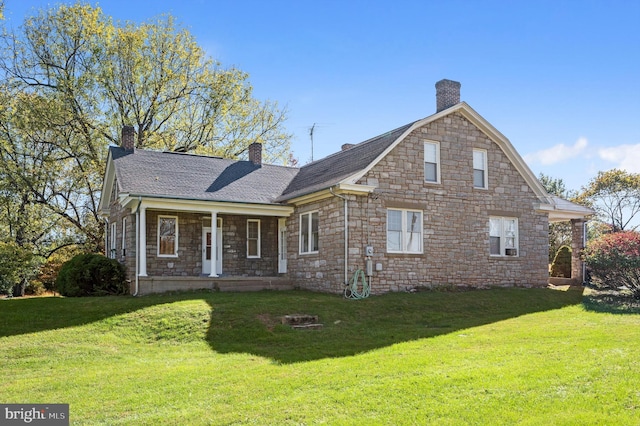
{"type": "Point", "coordinates": [442, 201]}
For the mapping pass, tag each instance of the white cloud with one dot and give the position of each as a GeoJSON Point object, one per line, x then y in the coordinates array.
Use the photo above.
{"type": "Point", "coordinates": [557, 153]}
{"type": "Point", "coordinates": [626, 157]}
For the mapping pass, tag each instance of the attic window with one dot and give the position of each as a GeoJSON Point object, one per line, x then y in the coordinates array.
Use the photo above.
{"type": "Point", "coordinates": [480, 168]}
{"type": "Point", "coordinates": [432, 162]}
{"type": "Point", "coordinates": [114, 190]}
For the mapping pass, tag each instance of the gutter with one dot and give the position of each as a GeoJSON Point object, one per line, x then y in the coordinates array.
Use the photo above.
{"type": "Point", "coordinates": [346, 235]}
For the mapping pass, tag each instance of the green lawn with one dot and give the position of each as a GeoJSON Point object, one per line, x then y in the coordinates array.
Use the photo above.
{"type": "Point", "coordinates": [502, 356]}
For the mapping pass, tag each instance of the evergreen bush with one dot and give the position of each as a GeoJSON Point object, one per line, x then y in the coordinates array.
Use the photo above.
{"type": "Point", "coordinates": [91, 275]}
{"type": "Point", "coordinates": [561, 266]}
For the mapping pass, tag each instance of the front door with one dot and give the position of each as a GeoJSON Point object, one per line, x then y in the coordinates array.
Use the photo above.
{"type": "Point", "coordinates": [207, 249]}
{"type": "Point", "coordinates": [282, 246]}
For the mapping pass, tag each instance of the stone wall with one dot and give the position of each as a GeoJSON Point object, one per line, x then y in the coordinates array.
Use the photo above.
{"type": "Point", "coordinates": [324, 270]}
{"type": "Point", "coordinates": [234, 243]}
{"type": "Point", "coordinates": [188, 263]}
{"type": "Point", "coordinates": [455, 220]}
{"type": "Point", "coordinates": [128, 256]}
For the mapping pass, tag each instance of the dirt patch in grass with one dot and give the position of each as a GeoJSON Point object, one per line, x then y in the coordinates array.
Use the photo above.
{"type": "Point", "coordinates": [268, 320]}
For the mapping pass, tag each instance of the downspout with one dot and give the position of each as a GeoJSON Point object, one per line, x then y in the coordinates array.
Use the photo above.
{"type": "Point", "coordinates": [346, 235]}
{"type": "Point", "coordinates": [584, 245]}
{"type": "Point", "coordinates": [137, 212]}
{"type": "Point", "coordinates": [106, 237]}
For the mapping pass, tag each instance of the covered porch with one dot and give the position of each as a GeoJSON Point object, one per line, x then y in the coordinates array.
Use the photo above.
{"type": "Point", "coordinates": [577, 216]}
{"type": "Point", "coordinates": [190, 244]}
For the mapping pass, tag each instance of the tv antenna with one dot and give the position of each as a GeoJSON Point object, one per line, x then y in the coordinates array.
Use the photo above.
{"type": "Point", "coordinates": [311, 129]}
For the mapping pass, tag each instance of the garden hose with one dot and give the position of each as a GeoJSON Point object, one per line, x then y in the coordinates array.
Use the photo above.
{"type": "Point", "coordinates": [358, 287]}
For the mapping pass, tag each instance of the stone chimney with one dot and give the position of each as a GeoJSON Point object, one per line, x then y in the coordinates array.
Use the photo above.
{"type": "Point", "coordinates": [128, 138]}
{"type": "Point", "coordinates": [447, 94]}
{"type": "Point", "coordinates": [255, 153]}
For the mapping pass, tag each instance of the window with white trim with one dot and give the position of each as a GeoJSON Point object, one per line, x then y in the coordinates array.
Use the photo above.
{"type": "Point", "coordinates": [503, 236]}
{"type": "Point", "coordinates": [309, 232]}
{"type": "Point", "coordinates": [124, 236]}
{"type": "Point", "coordinates": [253, 238]}
{"type": "Point", "coordinates": [432, 162]}
{"type": "Point", "coordinates": [112, 241]}
{"type": "Point", "coordinates": [404, 231]}
{"type": "Point", "coordinates": [168, 236]}
{"type": "Point", "coordinates": [480, 168]}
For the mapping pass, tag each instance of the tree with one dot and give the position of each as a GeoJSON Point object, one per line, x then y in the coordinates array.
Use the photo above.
{"type": "Point", "coordinates": [559, 232]}
{"type": "Point", "coordinates": [71, 78]}
{"type": "Point", "coordinates": [16, 268]}
{"type": "Point", "coordinates": [615, 196]}
{"type": "Point", "coordinates": [614, 262]}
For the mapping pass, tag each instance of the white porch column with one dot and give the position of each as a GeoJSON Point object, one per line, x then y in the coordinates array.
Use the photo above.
{"type": "Point", "coordinates": [214, 244]}
{"type": "Point", "coordinates": [142, 252]}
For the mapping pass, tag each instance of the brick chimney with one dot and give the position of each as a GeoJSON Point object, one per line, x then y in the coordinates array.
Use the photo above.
{"type": "Point", "coordinates": [255, 153]}
{"type": "Point", "coordinates": [128, 138]}
{"type": "Point", "coordinates": [447, 94]}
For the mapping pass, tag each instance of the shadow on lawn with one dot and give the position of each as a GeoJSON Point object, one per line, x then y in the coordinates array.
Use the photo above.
{"type": "Point", "coordinates": [352, 327]}
{"type": "Point", "coordinates": [612, 302]}
{"type": "Point", "coordinates": [251, 322]}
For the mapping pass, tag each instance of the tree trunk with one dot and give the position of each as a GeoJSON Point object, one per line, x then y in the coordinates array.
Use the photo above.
{"type": "Point", "coordinates": [18, 289]}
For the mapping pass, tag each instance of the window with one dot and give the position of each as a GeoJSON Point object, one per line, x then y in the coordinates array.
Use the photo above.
{"type": "Point", "coordinates": [168, 236]}
{"type": "Point", "coordinates": [124, 236]}
{"type": "Point", "coordinates": [309, 232]}
{"type": "Point", "coordinates": [112, 241]}
{"type": "Point", "coordinates": [432, 162]}
{"type": "Point", "coordinates": [404, 231]}
{"type": "Point", "coordinates": [479, 168]}
{"type": "Point", "coordinates": [253, 238]}
{"type": "Point", "coordinates": [503, 236]}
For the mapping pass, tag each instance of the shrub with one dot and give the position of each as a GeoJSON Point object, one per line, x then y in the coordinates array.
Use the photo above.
{"type": "Point", "coordinates": [34, 288]}
{"type": "Point", "coordinates": [561, 266]}
{"type": "Point", "coordinates": [614, 261]}
{"type": "Point", "coordinates": [91, 275]}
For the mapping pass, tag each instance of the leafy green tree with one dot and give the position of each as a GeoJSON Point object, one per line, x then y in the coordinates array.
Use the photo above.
{"type": "Point", "coordinates": [615, 196]}
{"type": "Point", "coordinates": [16, 268]}
{"type": "Point", "coordinates": [70, 78]}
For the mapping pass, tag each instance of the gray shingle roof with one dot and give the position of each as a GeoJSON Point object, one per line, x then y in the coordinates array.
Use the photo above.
{"type": "Point", "coordinates": [167, 174]}
{"type": "Point", "coordinates": [330, 170]}
{"type": "Point", "coordinates": [186, 176]}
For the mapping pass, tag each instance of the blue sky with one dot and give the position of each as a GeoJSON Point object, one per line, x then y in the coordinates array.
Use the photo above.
{"type": "Point", "coordinates": [560, 79]}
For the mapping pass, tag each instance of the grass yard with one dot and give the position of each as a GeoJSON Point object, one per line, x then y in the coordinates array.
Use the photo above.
{"type": "Point", "coordinates": [502, 356]}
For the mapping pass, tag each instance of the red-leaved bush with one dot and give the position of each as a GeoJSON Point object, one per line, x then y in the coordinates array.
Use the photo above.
{"type": "Point", "coordinates": [614, 261]}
